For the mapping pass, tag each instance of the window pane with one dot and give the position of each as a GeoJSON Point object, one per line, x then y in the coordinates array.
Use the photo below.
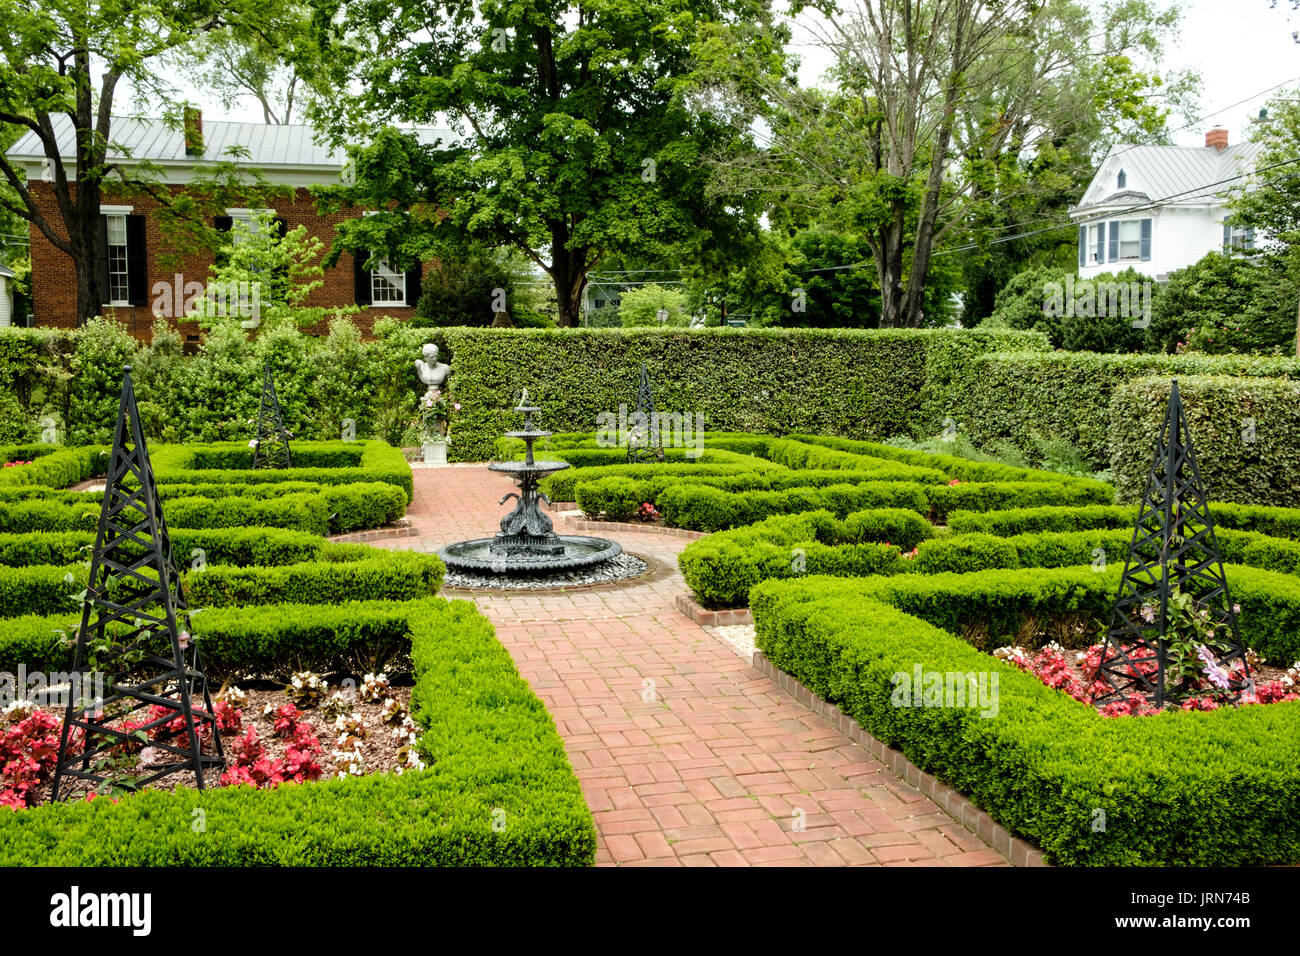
{"type": "Point", "coordinates": [118, 288]}
{"type": "Point", "coordinates": [386, 286]}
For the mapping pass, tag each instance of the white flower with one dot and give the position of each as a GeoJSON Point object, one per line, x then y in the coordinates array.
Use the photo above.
{"type": "Point", "coordinates": [253, 443]}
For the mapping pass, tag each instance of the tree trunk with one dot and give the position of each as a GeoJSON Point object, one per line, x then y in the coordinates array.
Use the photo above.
{"type": "Point", "coordinates": [570, 278]}
{"type": "Point", "coordinates": [85, 243]}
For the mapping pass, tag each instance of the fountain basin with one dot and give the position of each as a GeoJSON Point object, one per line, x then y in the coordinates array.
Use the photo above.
{"type": "Point", "coordinates": [541, 468]}
{"type": "Point", "coordinates": [476, 555]}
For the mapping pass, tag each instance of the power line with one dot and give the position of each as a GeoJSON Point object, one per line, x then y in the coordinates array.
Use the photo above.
{"type": "Point", "coordinates": [1153, 204]}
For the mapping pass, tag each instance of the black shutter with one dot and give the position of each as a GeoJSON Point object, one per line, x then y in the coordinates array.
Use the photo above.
{"type": "Point", "coordinates": [361, 277]}
{"type": "Point", "coordinates": [281, 230]}
{"type": "Point", "coordinates": [103, 259]}
{"type": "Point", "coordinates": [414, 276]}
{"type": "Point", "coordinates": [137, 262]}
{"type": "Point", "coordinates": [1083, 245]}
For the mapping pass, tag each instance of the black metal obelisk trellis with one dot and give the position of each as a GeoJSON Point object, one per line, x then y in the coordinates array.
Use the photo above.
{"type": "Point", "coordinates": [1173, 550]}
{"type": "Point", "coordinates": [134, 636]}
{"type": "Point", "coordinates": [643, 443]}
{"type": "Point", "coordinates": [272, 447]}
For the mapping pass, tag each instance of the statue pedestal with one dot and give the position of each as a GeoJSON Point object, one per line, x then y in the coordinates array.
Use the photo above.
{"type": "Point", "coordinates": [435, 453]}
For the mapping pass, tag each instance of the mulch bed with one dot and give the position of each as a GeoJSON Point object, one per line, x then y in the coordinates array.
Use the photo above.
{"type": "Point", "coordinates": [376, 753]}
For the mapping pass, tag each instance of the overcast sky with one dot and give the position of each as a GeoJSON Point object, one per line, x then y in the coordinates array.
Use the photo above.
{"type": "Point", "coordinates": [1241, 47]}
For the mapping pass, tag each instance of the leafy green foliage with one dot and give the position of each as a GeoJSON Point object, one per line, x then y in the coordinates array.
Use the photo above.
{"type": "Point", "coordinates": [1246, 432]}
{"type": "Point", "coordinates": [1044, 763]}
{"type": "Point", "coordinates": [492, 752]}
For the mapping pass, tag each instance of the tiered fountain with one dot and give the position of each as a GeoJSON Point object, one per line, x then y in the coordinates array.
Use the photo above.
{"type": "Point", "coordinates": [527, 545]}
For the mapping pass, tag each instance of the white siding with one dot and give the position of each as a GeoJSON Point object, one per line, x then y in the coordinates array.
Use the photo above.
{"type": "Point", "coordinates": [6, 303]}
{"type": "Point", "coordinates": [1180, 236]}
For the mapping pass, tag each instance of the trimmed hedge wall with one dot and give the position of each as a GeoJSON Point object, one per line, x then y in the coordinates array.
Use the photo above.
{"type": "Point", "coordinates": [1182, 788]}
{"type": "Point", "coordinates": [335, 510]}
{"type": "Point", "coordinates": [1277, 522]}
{"type": "Point", "coordinates": [490, 746]}
{"type": "Point", "coordinates": [860, 383]}
{"type": "Point", "coordinates": [378, 575]}
{"type": "Point", "coordinates": [243, 546]}
{"type": "Point", "coordinates": [1259, 465]}
{"type": "Point", "coordinates": [1014, 397]}
{"type": "Point", "coordinates": [55, 467]}
{"type": "Point", "coordinates": [340, 463]}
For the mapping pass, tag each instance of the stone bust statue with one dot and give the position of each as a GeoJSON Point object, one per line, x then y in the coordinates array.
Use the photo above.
{"type": "Point", "coordinates": [432, 372]}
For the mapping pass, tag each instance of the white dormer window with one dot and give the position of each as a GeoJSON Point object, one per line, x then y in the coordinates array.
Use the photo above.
{"type": "Point", "coordinates": [1121, 181]}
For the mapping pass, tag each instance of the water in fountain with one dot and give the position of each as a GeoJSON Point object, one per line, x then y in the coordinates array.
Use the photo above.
{"type": "Point", "coordinates": [527, 543]}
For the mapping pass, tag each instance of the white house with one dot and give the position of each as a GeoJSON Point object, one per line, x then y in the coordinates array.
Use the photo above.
{"type": "Point", "coordinates": [6, 296]}
{"type": "Point", "coordinates": [1160, 208]}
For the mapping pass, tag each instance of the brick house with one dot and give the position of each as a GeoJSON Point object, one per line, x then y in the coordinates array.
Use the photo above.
{"type": "Point", "coordinates": [131, 240]}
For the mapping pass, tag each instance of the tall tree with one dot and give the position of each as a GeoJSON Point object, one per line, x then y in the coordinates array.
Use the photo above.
{"type": "Point", "coordinates": [69, 59]}
{"type": "Point", "coordinates": [262, 65]}
{"type": "Point", "coordinates": [574, 138]}
{"type": "Point", "coordinates": [936, 109]}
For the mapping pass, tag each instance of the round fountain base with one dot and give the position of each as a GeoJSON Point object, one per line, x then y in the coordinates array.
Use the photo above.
{"type": "Point", "coordinates": [618, 568]}
{"type": "Point", "coordinates": [477, 557]}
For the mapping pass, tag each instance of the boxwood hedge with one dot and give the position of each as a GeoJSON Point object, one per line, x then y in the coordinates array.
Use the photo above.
{"type": "Point", "coordinates": [326, 463]}
{"type": "Point", "coordinates": [493, 754]}
{"type": "Point", "coordinates": [1185, 788]}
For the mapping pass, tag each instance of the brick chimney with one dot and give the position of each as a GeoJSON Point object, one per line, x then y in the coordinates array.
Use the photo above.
{"type": "Point", "coordinates": [193, 131]}
{"type": "Point", "coordinates": [1218, 138]}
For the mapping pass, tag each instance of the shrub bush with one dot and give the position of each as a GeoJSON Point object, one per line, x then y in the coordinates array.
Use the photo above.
{"type": "Point", "coordinates": [232, 461]}
{"type": "Point", "coordinates": [488, 742]}
{"type": "Point", "coordinates": [53, 468]}
{"type": "Point", "coordinates": [617, 499]}
{"type": "Point", "coordinates": [1246, 432]}
{"type": "Point", "coordinates": [1045, 762]}
{"type": "Point", "coordinates": [371, 575]}
{"type": "Point", "coordinates": [1021, 399]}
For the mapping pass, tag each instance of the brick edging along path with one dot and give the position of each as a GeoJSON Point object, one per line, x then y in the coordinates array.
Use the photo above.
{"type": "Point", "coordinates": [687, 755]}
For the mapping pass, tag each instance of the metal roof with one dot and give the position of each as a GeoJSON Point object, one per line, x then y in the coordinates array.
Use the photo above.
{"type": "Point", "coordinates": [151, 139]}
{"type": "Point", "coordinates": [1179, 174]}
{"type": "Point", "coordinates": [6, 271]}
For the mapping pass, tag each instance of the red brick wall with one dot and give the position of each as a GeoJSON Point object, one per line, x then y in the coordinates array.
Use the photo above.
{"type": "Point", "coordinates": [54, 282]}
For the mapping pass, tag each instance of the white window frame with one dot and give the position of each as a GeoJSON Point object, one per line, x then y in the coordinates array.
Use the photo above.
{"type": "Point", "coordinates": [249, 217]}
{"type": "Point", "coordinates": [1136, 242]}
{"type": "Point", "coordinates": [118, 266]}
{"type": "Point", "coordinates": [1240, 239]}
{"type": "Point", "coordinates": [1097, 231]}
{"type": "Point", "coordinates": [389, 278]}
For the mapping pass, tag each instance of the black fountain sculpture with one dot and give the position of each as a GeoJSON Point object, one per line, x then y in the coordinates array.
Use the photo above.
{"type": "Point", "coordinates": [527, 543]}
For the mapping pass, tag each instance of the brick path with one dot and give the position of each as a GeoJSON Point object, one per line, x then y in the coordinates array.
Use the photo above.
{"type": "Point", "coordinates": [686, 754]}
